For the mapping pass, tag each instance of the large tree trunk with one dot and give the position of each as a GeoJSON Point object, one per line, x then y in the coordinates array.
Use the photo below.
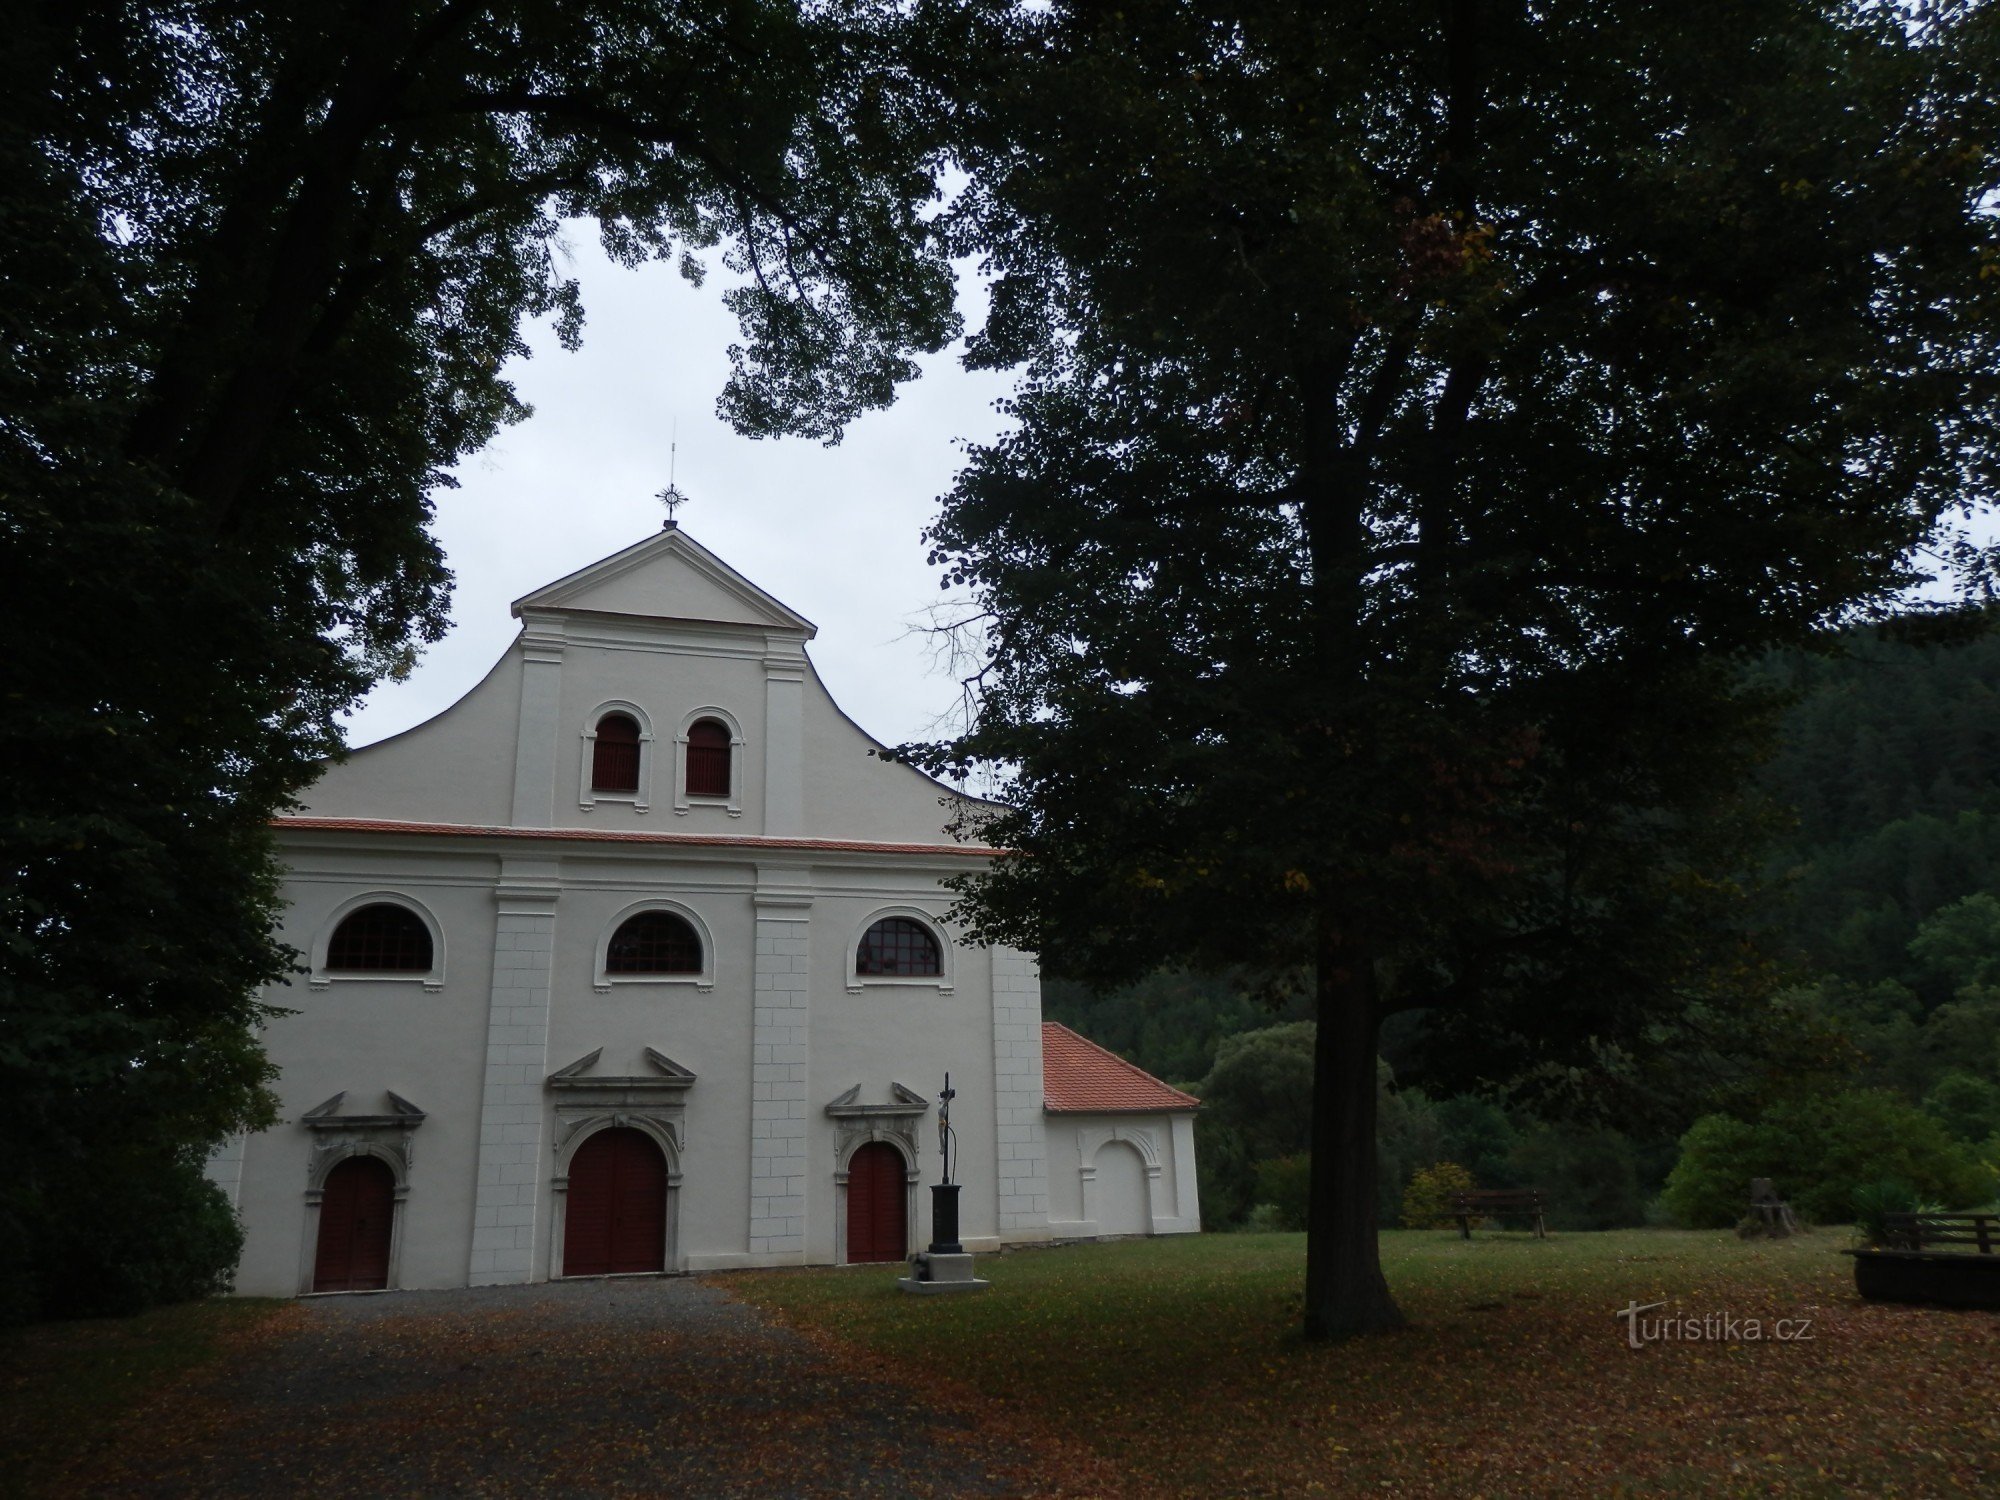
{"type": "Point", "coordinates": [1345, 1290]}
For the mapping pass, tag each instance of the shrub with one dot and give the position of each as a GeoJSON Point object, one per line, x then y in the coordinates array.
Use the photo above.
{"type": "Point", "coordinates": [1591, 1176]}
{"type": "Point", "coordinates": [1284, 1185]}
{"type": "Point", "coordinates": [130, 1234]}
{"type": "Point", "coordinates": [1874, 1202]}
{"type": "Point", "coordinates": [1818, 1152]}
{"type": "Point", "coordinates": [1966, 1105]}
{"type": "Point", "coordinates": [1427, 1200]}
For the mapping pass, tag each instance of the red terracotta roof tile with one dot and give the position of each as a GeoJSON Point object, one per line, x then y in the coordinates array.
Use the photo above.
{"type": "Point", "coordinates": [614, 836]}
{"type": "Point", "coordinates": [1080, 1077]}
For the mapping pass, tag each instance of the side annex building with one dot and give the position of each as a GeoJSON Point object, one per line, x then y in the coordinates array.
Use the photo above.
{"type": "Point", "coordinates": [636, 959]}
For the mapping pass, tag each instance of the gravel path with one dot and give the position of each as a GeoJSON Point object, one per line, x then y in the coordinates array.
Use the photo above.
{"type": "Point", "coordinates": [647, 1386]}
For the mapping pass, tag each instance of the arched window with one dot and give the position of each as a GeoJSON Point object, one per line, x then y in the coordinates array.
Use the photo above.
{"type": "Point", "coordinates": [380, 939]}
{"type": "Point", "coordinates": [899, 946]}
{"type": "Point", "coordinates": [614, 756]}
{"type": "Point", "coordinates": [654, 942]}
{"type": "Point", "coordinates": [708, 759]}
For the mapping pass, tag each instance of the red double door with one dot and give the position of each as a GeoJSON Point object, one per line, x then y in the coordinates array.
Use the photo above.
{"type": "Point", "coordinates": [357, 1210]}
{"type": "Point", "coordinates": [616, 1221]}
{"type": "Point", "coordinates": [877, 1205]}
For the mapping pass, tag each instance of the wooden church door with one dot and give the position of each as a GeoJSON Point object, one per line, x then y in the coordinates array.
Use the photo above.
{"type": "Point", "coordinates": [877, 1205]}
{"type": "Point", "coordinates": [356, 1212]}
{"type": "Point", "coordinates": [616, 1221]}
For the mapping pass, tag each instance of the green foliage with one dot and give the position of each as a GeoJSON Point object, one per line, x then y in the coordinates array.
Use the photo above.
{"type": "Point", "coordinates": [127, 1232]}
{"type": "Point", "coordinates": [1427, 1201]}
{"type": "Point", "coordinates": [1479, 1134]}
{"type": "Point", "coordinates": [1261, 1087]}
{"type": "Point", "coordinates": [1818, 1151]}
{"type": "Point", "coordinates": [1389, 509]}
{"type": "Point", "coordinates": [1409, 1136]}
{"type": "Point", "coordinates": [1874, 1202]}
{"type": "Point", "coordinates": [1591, 1176]}
{"type": "Point", "coordinates": [1283, 1185]}
{"type": "Point", "coordinates": [1968, 1106]}
{"type": "Point", "coordinates": [264, 267]}
{"type": "Point", "coordinates": [1169, 1023]}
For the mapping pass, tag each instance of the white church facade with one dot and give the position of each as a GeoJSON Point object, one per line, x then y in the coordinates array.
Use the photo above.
{"type": "Point", "coordinates": [637, 959]}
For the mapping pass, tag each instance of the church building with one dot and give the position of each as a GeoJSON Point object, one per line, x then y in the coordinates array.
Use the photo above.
{"type": "Point", "coordinates": [637, 959]}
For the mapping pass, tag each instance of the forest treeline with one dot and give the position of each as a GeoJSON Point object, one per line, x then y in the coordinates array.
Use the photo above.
{"type": "Point", "coordinates": [1875, 1056]}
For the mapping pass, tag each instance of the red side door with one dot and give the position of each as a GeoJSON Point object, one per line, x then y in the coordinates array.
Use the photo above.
{"type": "Point", "coordinates": [356, 1212]}
{"type": "Point", "coordinates": [616, 1221]}
{"type": "Point", "coordinates": [877, 1216]}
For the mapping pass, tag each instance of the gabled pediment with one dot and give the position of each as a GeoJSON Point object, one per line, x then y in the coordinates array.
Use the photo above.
{"type": "Point", "coordinates": [902, 1102]}
{"type": "Point", "coordinates": [328, 1116]}
{"type": "Point", "coordinates": [668, 576]}
{"type": "Point", "coordinates": [667, 1075]}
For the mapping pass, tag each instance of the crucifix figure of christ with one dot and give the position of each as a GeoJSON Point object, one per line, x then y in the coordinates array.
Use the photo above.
{"type": "Point", "coordinates": [944, 1125]}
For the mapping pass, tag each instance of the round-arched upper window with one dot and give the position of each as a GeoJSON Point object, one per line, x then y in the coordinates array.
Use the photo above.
{"type": "Point", "coordinates": [708, 759]}
{"type": "Point", "coordinates": [614, 755]}
{"type": "Point", "coordinates": [381, 938]}
{"type": "Point", "coordinates": [654, 942]}
{"type": "Point", "coordinates": [899, 947]}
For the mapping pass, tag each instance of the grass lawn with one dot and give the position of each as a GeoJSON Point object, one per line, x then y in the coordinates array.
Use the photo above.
{"type": "Point", "coordinates": [1176, 1360]}
{"type": "Point", "coordinates": [66, 1386]}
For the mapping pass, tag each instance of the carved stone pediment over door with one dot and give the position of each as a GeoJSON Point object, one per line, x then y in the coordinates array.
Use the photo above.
{"type": "Point", "coordinates": [653, 1102]}
{"type": "Point", "coordinates": [893, 1123]}
{"type": "Point", "coordinates": [387, 1134]}
{"type": "Point", "coordinates": [856, 1124]}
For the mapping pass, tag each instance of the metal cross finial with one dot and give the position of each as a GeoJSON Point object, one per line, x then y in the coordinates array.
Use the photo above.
{"type": "Point", "coordinates": [671, 497]}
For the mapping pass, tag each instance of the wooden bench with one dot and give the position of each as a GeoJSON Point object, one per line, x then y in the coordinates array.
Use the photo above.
{"type": "Point", "coordinates": [1928, 1231]}
{"type": "Point", "coordinates": [1494, 1203]}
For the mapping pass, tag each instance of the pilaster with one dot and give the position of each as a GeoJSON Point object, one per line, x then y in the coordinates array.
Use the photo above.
{"type": "Point", "coordinates": [784, 736]}
{"type": "Point", "coordinates": [1022, 1184]}
{"type": "Point", "coordinates": [778, 1065]}
{"type": "Point", "coordinates": [511, 1168]}
{"type": "Point", "coordinates": [540, 729]}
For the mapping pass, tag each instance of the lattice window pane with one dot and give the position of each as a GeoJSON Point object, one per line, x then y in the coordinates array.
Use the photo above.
{"type": "Point", "coordinates": [381, 939]}
{"type": "Point", "coordinates": [899, 946]}
{"type": "Point", "coordinates": [654, 942]}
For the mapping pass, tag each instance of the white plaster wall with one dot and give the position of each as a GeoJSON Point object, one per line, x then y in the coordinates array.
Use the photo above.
{"type": "Point", "coordinates": [1090, 1158]}
{"type": "Point", "coordinates": [782, 1030]}
{"type": "Point", "coordinates": [851, 794]}
{"type": "Point", "coordinates": [367, 1036]}
{"type": "Point", "coordinates": [669, 680]}
{"type": "Point", "coordinates": [455, 768]}
{"type": "Point", "coordinates": [911, 1032]}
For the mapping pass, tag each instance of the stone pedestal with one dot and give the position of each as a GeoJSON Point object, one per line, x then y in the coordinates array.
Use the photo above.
{"type": "Point", "coordinates": [934, 1275]}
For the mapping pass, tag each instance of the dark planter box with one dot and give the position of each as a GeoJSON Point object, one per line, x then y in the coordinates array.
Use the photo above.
{"type": "Point", "coordinates": [1938, 1277]}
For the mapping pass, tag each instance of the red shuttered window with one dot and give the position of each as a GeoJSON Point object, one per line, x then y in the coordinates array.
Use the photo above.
{"type": "Point", "coordinates": [708, 759]}
{"type": "Point", "coordinates": [614, 757]}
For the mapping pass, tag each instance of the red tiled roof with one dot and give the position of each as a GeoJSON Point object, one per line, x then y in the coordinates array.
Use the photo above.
{"type": "Point", "coordinates": [1080, 1077]}
{"type": "Point", "coordinates": [615, 836]}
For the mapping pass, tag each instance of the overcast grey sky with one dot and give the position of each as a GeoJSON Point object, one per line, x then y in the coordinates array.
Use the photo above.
{"type": "Point", "coordinates": [833, 532]}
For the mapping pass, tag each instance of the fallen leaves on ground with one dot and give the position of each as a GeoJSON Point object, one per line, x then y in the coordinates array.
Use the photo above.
{"type": "Point", "coordinates": [1177, 1362]}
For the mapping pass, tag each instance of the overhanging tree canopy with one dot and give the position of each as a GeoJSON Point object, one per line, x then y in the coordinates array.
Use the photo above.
{"type": "Point", "coordinates": [1425, 404]}
{"type": "Point", "coordinates": [263, 266]}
